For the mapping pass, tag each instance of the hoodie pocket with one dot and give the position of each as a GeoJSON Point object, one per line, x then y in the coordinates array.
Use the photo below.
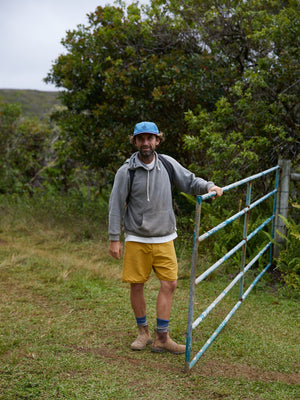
{"type": "Point", "coordinates": [158, 223]}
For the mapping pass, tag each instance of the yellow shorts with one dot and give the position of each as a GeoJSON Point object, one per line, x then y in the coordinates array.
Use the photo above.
{"type": "Point", "coordinates": [140, 258]}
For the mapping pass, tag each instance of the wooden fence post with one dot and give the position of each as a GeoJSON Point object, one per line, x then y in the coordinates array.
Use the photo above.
{"type": "Point", "coordinates": [282, 204]}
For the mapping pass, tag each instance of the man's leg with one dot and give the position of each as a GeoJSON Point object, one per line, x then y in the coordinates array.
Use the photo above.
{"type": "Point", "coordinates": [137, 266]}
{"type": "Point", "coordinates": [162, 341]}
{"type": "Point", "coordinates": [164, 299]}
{"type": "Point", "coordinates": [137, 299]}
{"type": "Point", "coordinates": [138, 305]}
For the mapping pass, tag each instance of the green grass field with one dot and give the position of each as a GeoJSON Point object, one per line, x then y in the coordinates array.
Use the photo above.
{"type": "Point", "coordinates": [66, 325]}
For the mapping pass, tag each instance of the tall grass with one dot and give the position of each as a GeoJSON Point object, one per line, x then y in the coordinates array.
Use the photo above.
{"type": "Point", "coordinates": [66, 323]}
{"type": "Point", "coordinates": [74, 214]}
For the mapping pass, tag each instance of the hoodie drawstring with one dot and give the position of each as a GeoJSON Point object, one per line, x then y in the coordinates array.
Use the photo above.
{"type": "Point", "coordinates": [148, 181]}
{"type": "Point", "coordinates": [148, 185]}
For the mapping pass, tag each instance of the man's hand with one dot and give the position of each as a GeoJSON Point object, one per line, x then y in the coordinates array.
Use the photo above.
{"type": "Point", "coordinates": [216, 189]}
{"type": "Point", "coordinates": [115, 249]}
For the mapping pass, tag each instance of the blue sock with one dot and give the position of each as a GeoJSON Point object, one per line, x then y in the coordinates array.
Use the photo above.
{"type": "Point", "coordinates": [162, 325]}
{"type": "Point", "coordinates": [142, 321]}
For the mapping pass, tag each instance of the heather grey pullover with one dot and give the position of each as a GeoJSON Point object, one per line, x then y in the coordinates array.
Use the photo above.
{"type": "Point", "coordinates": [149, 212]}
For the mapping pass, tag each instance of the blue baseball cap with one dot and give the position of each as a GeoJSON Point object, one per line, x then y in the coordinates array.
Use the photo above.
{"type": "Point", "coordinates": [145, 127]}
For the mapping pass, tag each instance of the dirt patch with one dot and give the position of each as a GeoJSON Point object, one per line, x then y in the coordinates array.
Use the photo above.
{"type": "Point", "coordinates": [209, 368]}
{"type": "Point", "coordinates": [112, 356]}
{"type": "Point", "coordinates": [248, 372]}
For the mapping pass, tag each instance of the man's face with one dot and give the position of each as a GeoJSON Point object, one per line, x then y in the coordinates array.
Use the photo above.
{"type": "Point", "coordinates": [146, 144]}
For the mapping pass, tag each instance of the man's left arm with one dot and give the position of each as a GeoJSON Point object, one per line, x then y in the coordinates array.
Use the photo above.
{"type": "Point", "coordinates": [187, 182]}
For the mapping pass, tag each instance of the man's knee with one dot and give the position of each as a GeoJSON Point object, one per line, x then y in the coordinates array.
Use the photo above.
{"type": "Point", "coordinates": [137, 287]}
{"type": "Point", "coordinates": [168, 286]}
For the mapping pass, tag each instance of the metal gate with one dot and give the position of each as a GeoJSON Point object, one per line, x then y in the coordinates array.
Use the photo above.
{"type": "Point", "coordinates": [192, 324]}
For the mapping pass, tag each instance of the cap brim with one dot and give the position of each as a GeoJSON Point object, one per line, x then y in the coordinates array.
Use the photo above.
{"type": "Point", "coordinates": [150, 133]}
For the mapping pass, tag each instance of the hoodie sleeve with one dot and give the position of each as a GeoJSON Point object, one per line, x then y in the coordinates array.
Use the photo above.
{"type": "Point", "coordinates": [186, 181]}
{"type": "Point", "coordinates": [117, 202]}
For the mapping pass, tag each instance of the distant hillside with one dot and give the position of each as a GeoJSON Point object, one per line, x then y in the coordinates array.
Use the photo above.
{"type": "Point", "coordinates": [34, 103]}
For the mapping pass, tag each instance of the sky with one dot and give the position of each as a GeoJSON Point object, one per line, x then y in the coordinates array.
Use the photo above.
{"type": "Point", "coordinates": [30, 36]}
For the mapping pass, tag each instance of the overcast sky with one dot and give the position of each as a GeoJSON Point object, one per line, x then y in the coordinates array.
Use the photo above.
{"type": "Point", "coordinates": [30, 35]}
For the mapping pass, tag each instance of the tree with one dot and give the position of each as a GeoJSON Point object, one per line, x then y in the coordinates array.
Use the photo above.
{"type": "Point", "coordinates": [227, 70]}
{"type": "Point", "coordinates": [121, 69]}
{"type": "Point", "coordinates": [257, 120]}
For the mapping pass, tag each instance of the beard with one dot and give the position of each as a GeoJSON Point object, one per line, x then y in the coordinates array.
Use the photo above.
{"type": "Point", "coordinates": [146, 154]}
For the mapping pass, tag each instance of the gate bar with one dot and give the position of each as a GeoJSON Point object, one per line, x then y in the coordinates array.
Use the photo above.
{"type": "Point", "coordinates": [232, 251]}
{"type": "Point", "coordinates": [239, 183]}
{"type": "Point", "coordinates": [230, 286]}
{"type": "Point", "coordinates": [227, 318]}
{"type": "Point", "coordinates": [235, 216]}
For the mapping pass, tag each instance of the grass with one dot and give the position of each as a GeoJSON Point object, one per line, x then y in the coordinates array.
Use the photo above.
{"type": "Point", "coordinates": [66, 324]}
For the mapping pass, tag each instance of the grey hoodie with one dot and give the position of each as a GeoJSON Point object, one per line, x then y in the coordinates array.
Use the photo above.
{"type": "Point", "coordinates": [149, 212]}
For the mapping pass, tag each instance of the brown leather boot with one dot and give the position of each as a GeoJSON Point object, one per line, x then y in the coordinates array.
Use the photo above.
{"type": "Point", "coordinates": [163, 342]}
{"type": "Point", "coordinates": [142, 340]}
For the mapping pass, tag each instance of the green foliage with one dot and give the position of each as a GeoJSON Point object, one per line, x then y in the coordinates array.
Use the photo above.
{"type": "Point", "coordinates": [24, 148]}
{"type": "Point", "coordinates": [34, 156]}
{"type": "Point", "coordinates": [288, 262]}
{"type": "Point", "coordinates": [257, 118]}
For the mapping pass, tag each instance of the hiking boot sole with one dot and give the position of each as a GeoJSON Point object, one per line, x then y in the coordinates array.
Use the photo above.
{"type": "Point", "coordinates": [162, 350]}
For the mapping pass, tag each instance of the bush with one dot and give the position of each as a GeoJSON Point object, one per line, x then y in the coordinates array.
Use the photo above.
{"type": "Point", "coordinates": [288, 262]}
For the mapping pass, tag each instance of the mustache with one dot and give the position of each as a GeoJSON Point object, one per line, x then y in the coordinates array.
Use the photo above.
{"type": "Point", "coordinates": [147, 148]}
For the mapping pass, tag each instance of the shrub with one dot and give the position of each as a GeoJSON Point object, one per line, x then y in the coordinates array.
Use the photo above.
{"type": "Point", "coordinates": [288, 262]}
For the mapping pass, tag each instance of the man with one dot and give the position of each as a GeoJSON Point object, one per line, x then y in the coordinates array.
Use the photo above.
{"type": "Point", "coordinates": [142, 199]}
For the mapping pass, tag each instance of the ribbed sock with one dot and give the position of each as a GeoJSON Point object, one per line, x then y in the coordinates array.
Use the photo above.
{"type": "Point", "coordinates": [162, 325]}
{"type": "Point", "coordinates": [142, 321]}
